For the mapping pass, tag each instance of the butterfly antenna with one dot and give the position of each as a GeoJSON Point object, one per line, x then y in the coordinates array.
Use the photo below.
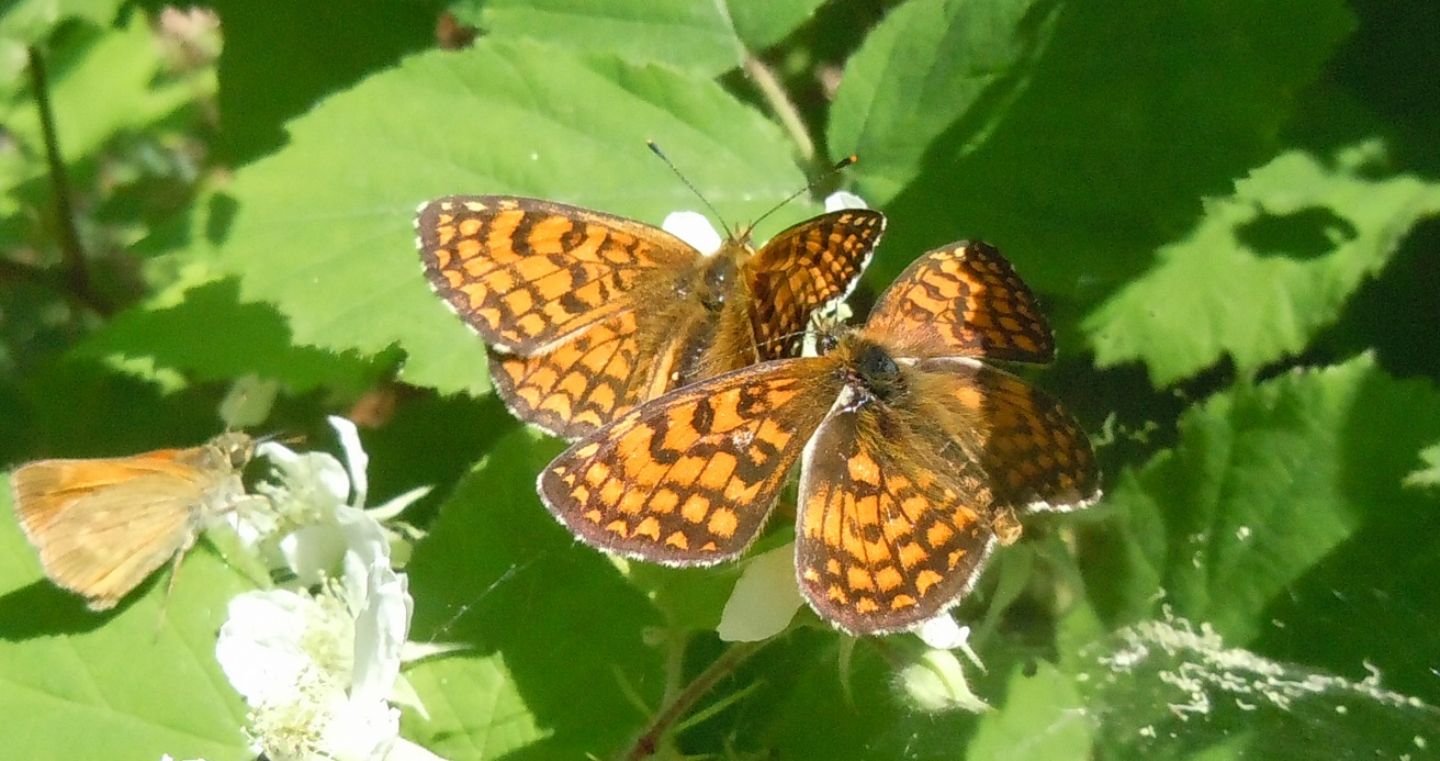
{"type": "Point", "coordinates": [656, 150]}
{"type": "Point", "coordinates": [839, 165]}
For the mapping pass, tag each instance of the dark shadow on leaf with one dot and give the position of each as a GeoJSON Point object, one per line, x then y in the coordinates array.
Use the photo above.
{"type": "Point", "coordinates": [41, 609]}
{"type": "Point", "coordinates": [1301, 235]}
{"type": "Point", "coordinates": [1374, 599]}
{"type": "Point", "coordinates": [1128, 119]}
{"type": "Point", "coordinates": [499, 573]}
{"type": "Point", "coordinates": [220, 214]}
{"type": "Point", "coordinates": [1386, 315]}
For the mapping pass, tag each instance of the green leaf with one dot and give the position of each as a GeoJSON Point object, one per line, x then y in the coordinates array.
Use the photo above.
{"type": "Point", "coordinates": [1042, 718]}
{"type": "Point", "coordinates": [1171, 689]}
{"type": "Point", "coordinates": [813, 702]}
{"type": "Point", "coordinates": [927, 65]}
{"type": "Point", "coordinates": [274, 67]}
{"type": "Point", "coordinates": [211, 336]}
{"type": "Point", "coordinates": [324, 229]}
{"type": "Point", "coordinates": [102, 81]}
{"type": "Point", "coordinates": [763, 23]}
{"type": "Point", "coordinates": [475, 708]}
{"type": "Point", "coordinates": [700, 37]}
{"type": "Point", "coordinates": [142, 679]}
{"type": "Point", "coordinates": [1092, 145]}
{"type": "Point", "coordinates": [30, 22]}
{"type": "Point", "coordinates": [1265, 269]}
{"type": "Point", "coordinates": [554, 630]}
{"type": "Point", "coordinates": [694, 36]}
{"type": "Point", "coordinates": [1266, 483]}
{"type": "Point", "coordinates": [1429, 475]}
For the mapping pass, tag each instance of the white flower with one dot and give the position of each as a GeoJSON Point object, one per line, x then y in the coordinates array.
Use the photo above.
{"type": "Point", "coordinates": [693, 228]}
{"type": "Point", "coordinates": [936, 681]}
{"type": "Point", "coordinates": [310, 500]}
{"type": "Point", "coordinates": [942, 633]}
{"type": "Point", "coordinates": [840, 200]}
{"type": "Point", "coordinates": [320, 671]}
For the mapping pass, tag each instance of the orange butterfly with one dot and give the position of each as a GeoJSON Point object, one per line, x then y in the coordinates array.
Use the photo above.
{"type": "Point", "coordinates": [915, 457]}
{"type": "Point", "coordinates": [588, 314]}
{"type": "Point", "coordinates": [102, 526]}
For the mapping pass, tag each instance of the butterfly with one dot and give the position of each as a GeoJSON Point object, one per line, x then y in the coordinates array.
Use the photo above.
{"type": "Point", "coordinates": [588, 314]}
{"type": "Point", "coordinates": [915, 458]}
{"type": "Point", "coordinates": [102, 526]}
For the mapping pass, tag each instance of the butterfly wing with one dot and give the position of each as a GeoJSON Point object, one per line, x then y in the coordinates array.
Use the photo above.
{"type": "Point", "coordinates": [103, 543]}
{"type": "Point", "coordinates": [888, 533]}
{"type": "Point", "coordinates": [962, 300]}
{"type": "Point", "coordinates": [1034, 453]}
{"type": "Point", "coordinates": [689, 478]}
{"type": "Point", "coordinates": [101, 526]}
{"type": "Point", "coordinates": [805, 269]}
{"type": "Point", "coordinates": [44, 488]}
{"type": "Point", "coordinates": [578, 386]}
{"type": "Point", "coordinates": [528, 274]}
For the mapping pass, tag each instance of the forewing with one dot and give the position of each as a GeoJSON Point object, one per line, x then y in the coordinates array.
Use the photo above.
{"type": "Point", "coordinates": [1036, 455]}
{"type": "Point", "coordinates": [689, 478]}
{"type": "Point", "coordinates": [527, 274]}
{"type": "Point", "coordinates": [105, 543]}
{"type": "Point", "coordinates": [804, 269]}
{"type": "Point", "coordinates": [43, 488]}
{"type": "Point", "coordinates": [888, 534]}
{"type": "Point", "coordinates": [963, 300]}
{"type": "Point", "coordinates": [578, 386]}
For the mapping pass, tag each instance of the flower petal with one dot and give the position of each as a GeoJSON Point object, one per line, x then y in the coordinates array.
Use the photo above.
{"type": "Point", "coordinates": [314, 553]}
{"type": "Point", "coordinates": [404, 750]}
{"type": "Point", "coordinates": [259, 645]}
{"type": "Point", "coordinates": [765, 598]}
{"type": "Point", "coordinates": [356, 460]}
{"type": "Point", "coordinates": [693, 228]}
{"type": "Point", "coordinates": [361, 731]}
{"type": "Point", "coordinates": [840, 200]}
{"type": "Point", "coordinates": [397, 505]}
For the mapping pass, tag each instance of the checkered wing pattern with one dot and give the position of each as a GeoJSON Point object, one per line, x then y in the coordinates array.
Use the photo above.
{"type": "Point", "coordinates": [689, 478]}
{"type": "Point", "coordinates": [805, 269]}
{"type": "Point", "coordinates": [1033, 452]}
{"type": "Point", "coordinates": [528, 274]}
{"type": "Point", "coordinates": [888, 533]}
{"type": "Point", "coordinates": [963, 300]}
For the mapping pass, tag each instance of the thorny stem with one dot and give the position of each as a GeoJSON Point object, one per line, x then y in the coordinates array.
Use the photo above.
{"type": "Point", "coordinates": [77, 275]}
{"type": "Point", "coordinates": [648, 742]}
{"type": "Point", "coordinates": [774, 94]}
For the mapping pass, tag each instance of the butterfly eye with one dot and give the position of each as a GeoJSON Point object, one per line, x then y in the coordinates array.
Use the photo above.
{"type": "Point", "coordinates": [876, 366]}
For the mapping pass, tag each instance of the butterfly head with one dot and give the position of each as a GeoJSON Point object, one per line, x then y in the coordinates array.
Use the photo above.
{"type": "Point", "coordinates": [719, 277]}
{"type": "Point", "coordinates": [232, 450]}
{"type": "Point", "coordinates": [869, 367]}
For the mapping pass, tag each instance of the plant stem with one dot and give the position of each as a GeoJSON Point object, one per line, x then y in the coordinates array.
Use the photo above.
{"type": "Point", "coordinates": [774, 93]}
{"type": "Point", "coordinates": [77, 273]}
{"type": "Point", "coordinates": [648, 742]}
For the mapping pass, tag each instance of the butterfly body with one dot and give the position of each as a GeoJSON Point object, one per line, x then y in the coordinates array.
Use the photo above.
{"type": "Point", "coordinates": [587, 314]}
{"type": "Point", "coordinates": [102, 526]}
{"type": "Point", "coordinates": [914, 456]}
